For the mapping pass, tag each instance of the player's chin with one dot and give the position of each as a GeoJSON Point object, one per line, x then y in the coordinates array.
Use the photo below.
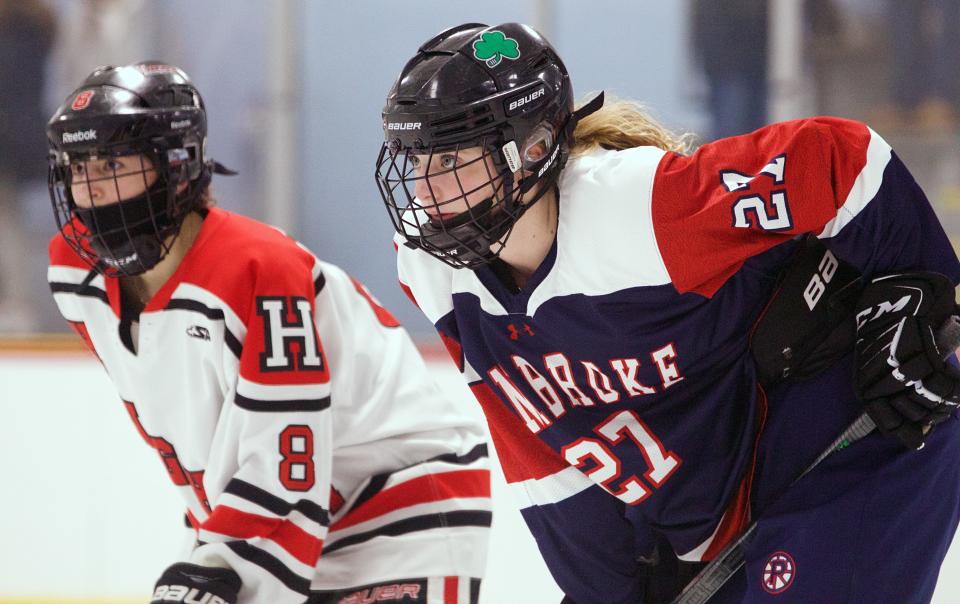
{"type": "Point", "coordinates": [438, 218]}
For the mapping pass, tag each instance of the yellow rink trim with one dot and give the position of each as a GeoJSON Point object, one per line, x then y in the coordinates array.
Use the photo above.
{"type": "Point", "coordinates": [52, 342]}
{"type": "Point", "coordinates": [70, 343]}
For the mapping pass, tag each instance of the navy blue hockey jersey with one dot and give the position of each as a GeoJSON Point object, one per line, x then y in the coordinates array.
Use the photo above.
{"type": "Point", "coordinates": [618, 385]}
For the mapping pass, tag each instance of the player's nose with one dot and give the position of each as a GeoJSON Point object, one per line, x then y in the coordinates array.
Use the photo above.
{"type": "Point", "coordinates": [423, 190]}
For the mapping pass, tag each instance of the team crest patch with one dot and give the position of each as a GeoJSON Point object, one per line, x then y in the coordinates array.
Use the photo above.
{"type": "Point", "coordinates": [493, 47]}
{"type": "Point", "coordinates": [778, 573]}
{"type": "Point", "coordinates": [82, 100]}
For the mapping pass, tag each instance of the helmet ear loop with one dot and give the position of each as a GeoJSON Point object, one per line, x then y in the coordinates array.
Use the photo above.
{"type": "Point", "coordinates": [538, 150]}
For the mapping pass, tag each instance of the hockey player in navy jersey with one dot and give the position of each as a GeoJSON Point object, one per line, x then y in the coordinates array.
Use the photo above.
{"type": "Point", "coordinates": [662, 340]}
{"type": "Point", "coordinates": [315, 456]}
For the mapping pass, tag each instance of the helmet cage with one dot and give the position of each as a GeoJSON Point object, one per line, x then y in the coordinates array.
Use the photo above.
{"type": "Point", "coordinates": [493, 205]}
{"type": "Point", "coordinates": [109, 236]}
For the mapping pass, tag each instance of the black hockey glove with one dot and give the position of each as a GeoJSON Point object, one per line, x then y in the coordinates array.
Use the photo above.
{"type": "Point", "coordinates": [184, 582]}
{"type": "Point", "coordinates": [902, 377]}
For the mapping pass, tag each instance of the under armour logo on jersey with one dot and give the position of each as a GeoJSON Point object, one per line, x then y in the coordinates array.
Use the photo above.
{"type": "Point", "coordinates": [515, 333]}
{"type": "Point", "coordinates": [778, 573]}
{"type": "Point", "coordinates": [280, 334]}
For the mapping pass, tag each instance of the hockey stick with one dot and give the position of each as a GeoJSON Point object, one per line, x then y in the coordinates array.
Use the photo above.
{"type": "Point", "coordinates": [713, 576]}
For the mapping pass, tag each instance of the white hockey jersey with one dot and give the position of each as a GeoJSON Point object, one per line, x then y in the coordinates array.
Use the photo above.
{"type": "Point", "coordinates": [293, 413]}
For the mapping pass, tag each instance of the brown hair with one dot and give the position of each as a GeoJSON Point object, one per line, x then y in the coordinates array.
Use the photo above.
{"type": "Point", "coordinates": [207, 200]}
{"type": "Point", "coordinates": [624, 124]}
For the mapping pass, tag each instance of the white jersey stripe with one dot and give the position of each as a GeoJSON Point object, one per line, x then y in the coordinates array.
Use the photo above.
{"type": "Point", "coordinates": [281, 392]}
{"type": "Point", "coordinates": [550, 489]}
{"type": "Point", "coordinates": [865, 187]}
{"type": "Point", "coordinates": [69, 274]}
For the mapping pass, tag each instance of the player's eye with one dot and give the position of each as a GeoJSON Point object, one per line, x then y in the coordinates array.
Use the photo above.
{"type": "Point", "coordinates": [114, 165]}
{"type": "Point", "coordinates": [77, 169]}
{"type": "Point", "coordinates": [448, 161]}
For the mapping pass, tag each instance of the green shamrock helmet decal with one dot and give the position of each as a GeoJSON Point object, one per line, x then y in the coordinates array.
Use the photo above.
{"type": "Point", "coordinates": [493, 47]}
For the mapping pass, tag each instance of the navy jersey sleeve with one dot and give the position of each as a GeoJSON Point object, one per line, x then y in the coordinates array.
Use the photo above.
{"type": "Point", "coordinates": [738, 197]}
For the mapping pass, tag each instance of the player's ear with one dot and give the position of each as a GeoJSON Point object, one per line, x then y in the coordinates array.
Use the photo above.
{"type": "Point", "coordinates": [538, 144]}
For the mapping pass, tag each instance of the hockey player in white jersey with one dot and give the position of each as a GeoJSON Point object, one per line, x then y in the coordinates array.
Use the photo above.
{"type": "Point", "coordinates": [317, 460]}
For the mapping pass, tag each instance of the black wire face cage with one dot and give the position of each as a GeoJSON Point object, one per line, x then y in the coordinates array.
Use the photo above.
{"type": "Point", "coordinates": [130, 214]}
{"type": "Point", "coordinates": [458, 203]}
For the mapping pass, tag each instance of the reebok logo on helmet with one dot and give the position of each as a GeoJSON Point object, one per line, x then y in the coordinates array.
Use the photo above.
{"type": "Point", "coordinates": [80, 136]}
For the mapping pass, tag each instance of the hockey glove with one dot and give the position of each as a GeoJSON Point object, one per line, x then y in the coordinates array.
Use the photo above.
{"type": "Point", "coordinates": [901, 375]}
{"type": "Point", "coordinates": [184, 582]}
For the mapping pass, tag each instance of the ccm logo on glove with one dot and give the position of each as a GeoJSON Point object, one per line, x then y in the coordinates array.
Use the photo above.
{"type": "Point", "coordinates": [881, 309]}
{"type": "Point", "coordinates": [902, 377]}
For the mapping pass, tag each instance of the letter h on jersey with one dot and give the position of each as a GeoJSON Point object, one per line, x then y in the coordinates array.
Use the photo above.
{"type": "Point", "coordinates": [280, 333]}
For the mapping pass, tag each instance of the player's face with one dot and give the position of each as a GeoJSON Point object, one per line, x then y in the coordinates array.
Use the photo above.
{"type": "Point", "coordinates": [448, 183]}
{"type": "Point", "coordinates": [102, 181]}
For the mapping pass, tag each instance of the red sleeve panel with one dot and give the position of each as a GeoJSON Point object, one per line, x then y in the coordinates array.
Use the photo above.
{"type": "Point", "coordinates": [738, 197]}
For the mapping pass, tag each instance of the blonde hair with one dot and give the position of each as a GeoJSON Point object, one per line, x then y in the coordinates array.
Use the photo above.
{"type": "Point", "coordinates": [624, 124]}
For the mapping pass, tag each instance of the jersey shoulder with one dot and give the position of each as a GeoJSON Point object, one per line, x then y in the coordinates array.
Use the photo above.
{"type": "Point", "coordinates": [606, 194]}
{"type": "Point", "coordinates": [426, 281]}
{"type": "Point", "coordinates": [236, 256]}
{"type": "Point", "coordinates": [239, 241]}
{"type": "Point", "coordinates": [62, 255]}
{"type": "Point", "coordinates": [737, 197]}
{"type": "Point", "coordinates": [605, 197]}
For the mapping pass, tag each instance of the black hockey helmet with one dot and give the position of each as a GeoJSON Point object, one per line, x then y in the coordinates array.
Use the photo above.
{"type": "Point", "coordinates": [501, 89]}
{"type": "Point", "coordinates": [145, 110]}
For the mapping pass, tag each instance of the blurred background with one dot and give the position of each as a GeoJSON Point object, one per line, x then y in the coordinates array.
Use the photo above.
{"type": "Point", "coordinates": [294, 90]}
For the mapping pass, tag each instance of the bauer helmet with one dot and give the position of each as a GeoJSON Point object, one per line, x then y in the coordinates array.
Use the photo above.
{"type": "Point", "coordinates": [148, 109]}
{"type": "Point", "coordinates": [501, 89]}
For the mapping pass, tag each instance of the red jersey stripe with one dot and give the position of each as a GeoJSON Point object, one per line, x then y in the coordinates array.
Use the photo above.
{"type": "Point", "coordinates": [232, 522]}
{"type": "Point", "coordinates": [522, 455]}
{"type": "Point", "coordinates": [423, 489]}
{"type": "Point", "coordinates": [450, 589]}
{"type": "Point", "coordinates": [737, 516]}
